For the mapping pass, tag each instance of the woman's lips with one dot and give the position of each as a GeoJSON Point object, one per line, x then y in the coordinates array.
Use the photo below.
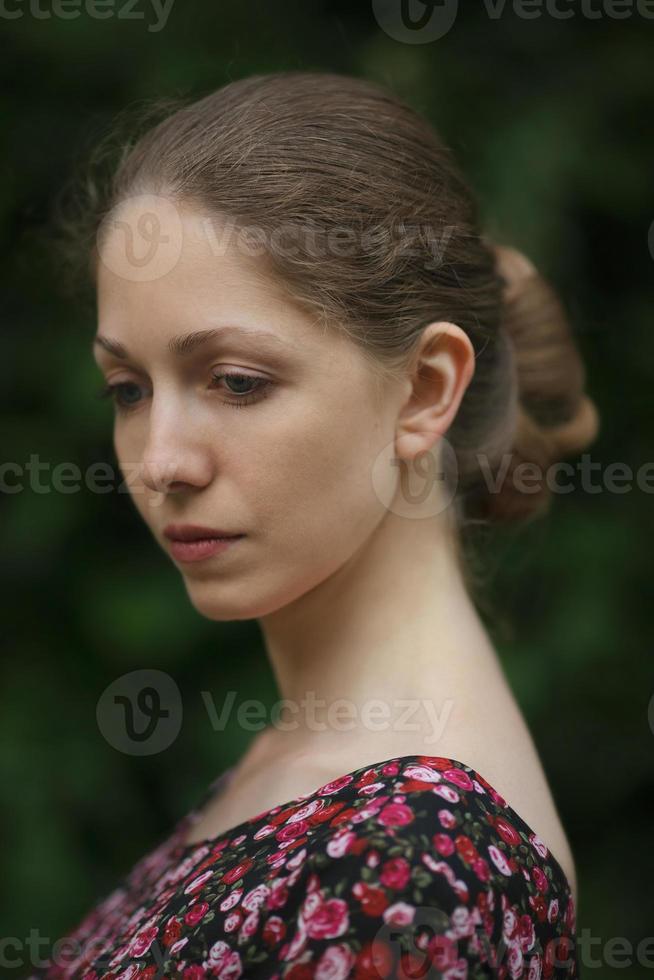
{"type": "Point", "coordinates": [201, 548]}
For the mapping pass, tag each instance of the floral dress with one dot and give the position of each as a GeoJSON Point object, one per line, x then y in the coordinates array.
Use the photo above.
{"type": "Point", "coordinates": [413, 867]}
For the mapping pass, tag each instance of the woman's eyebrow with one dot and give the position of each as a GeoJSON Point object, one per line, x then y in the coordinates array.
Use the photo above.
{"type": "Point", "coordinates": [185, 344]}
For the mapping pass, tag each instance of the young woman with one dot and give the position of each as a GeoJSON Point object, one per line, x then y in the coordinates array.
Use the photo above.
{"type": "Point", "coordinates": [302, 248]}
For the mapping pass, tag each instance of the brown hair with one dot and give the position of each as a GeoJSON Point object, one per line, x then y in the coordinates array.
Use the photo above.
{"type": "Point", "coordinates": [328, 151]}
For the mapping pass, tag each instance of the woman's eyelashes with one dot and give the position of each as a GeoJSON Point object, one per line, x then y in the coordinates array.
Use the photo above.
{"type": "Point", "coordinates": [117, 390]}
{"type": "Point", "coordinates": [245, 389]}
{"type": "Point", "coordinates": [261, 387]}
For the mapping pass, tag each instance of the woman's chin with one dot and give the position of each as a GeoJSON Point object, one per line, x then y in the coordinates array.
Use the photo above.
{"type": "Point", "coordinates": [222, 599]}
{"type": "Point", "coordinates": [221, 602]}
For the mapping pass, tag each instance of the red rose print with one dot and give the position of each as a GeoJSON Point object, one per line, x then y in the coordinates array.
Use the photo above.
{"type": "Point", "coordinates": [507, 831]}
{"type": "Point", "coordinates": [237, 871]}
{"type": "Point", "coordinates": [417, 857]}
{"type": "Point", "coordinates": [466, 848]}
{"type": "Point", "coordinates": [172, 931]}
{"type": "Point", "coordinates": [540, 880]}
{"type": "Point", "coordinates": [373, 900]}
{"type": "Point", "coordinates": [395, 873]}
{"type": "Point", "coordinates": [375, 960]}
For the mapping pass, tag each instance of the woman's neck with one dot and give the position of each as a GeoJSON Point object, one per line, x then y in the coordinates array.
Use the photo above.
{"type": "Point", "coordinates": [390, 640]}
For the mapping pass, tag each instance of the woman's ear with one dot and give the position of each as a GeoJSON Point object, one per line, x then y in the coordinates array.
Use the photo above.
{"type": "Point", "coordinates": [441, 370]}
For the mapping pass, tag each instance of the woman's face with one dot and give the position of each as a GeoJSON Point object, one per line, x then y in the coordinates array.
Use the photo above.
{"type": "Point", "coordinates": [282, 454]}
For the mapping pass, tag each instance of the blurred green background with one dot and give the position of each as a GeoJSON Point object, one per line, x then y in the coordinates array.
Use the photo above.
{"type": "Point", "coordinates": [552, 121]}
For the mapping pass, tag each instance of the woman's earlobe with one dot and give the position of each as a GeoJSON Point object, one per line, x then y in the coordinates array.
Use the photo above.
{"type": "Point", "coordinates": [408, 445]}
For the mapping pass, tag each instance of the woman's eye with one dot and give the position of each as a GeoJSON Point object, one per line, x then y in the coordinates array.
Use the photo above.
{"type": "Point", "coordinates": [245, 388]}
{"type": "Point", "coordinates": [124, 393]}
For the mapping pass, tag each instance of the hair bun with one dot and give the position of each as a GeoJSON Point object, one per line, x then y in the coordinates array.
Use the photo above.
{"type": "Point", "coordinates": [555, 416]}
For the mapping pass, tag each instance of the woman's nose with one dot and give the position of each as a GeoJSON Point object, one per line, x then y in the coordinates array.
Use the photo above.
{"type": "Point", "coordinates": [172, 459]}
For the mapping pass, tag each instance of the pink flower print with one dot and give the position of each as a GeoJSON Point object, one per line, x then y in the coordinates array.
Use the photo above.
{"type": "Point", "coordinates": [278, 895]}
{"type": "Point", "coordinates": [553, 910]}
{"type": "Point", "coordinates": [233, 921]}
{"type": "Point", "coordinates": [461, 921]}
{"type": "Point", "coordinates": [340, 843]}
{"type": "Point", "coordinates": [196, 884]}
{"type": "Point", "coordinates": [142, 941]}
{"type": "Point", "coordinates": [422, 773]}
{"type": "Point", "coordinates": [231, 900]}
{"type": "Point", "coordinates": [264, 831]}
{"type": "Point", "coordinates": [538, 845]}
{"type": "Point", "coordinates": [395, 815]}
{"type": "Point", "coordinates": [447, 792]}
{"type": "Point", "coordinates": [292, 830]}
{"type": "Point", "coordinates": [400, 914]}
{"type": "Point", "coordinates": [458, 777]}
{"type": "Point", "coordinates": [224, 962]}
{"type": "Point", "coordinates": [306, 811]}
{"type": "Point", "coordinates": [498, 859]}
{"type": "Point", "coordinates": [328, 920]}
{"type": "Point", "coordinates": [335, 963]}
{"type": "Point", "coordinates": [249, 926]}
{"type": "Point", "coordinates": [297, 860]}
{"type": "Point", "coordinates": [330, 788]}
{"type": "Point", "coordinates": [481, 868]}
{"type": "Point", "coordinates": [177, 946]}
{"type": "Point", "coordinates": [255, 897]}
{"type": "Point", "coordinates": [443, 844]}
{"type": "Point", "coordinates": [509, 924]}
{"type": "Point", "coordinates": [515, 960]}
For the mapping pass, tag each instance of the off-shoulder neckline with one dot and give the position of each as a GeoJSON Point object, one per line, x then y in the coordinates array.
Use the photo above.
{"type": "Point", "coordinates": [181, 848]}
